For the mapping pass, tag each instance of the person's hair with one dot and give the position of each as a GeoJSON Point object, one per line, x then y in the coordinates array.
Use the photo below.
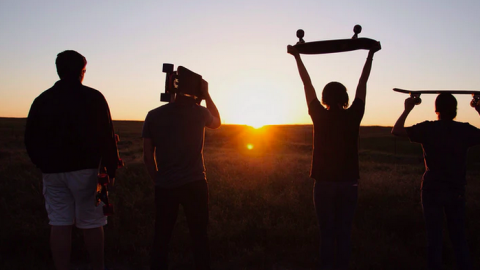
{"type": "Point", "coordinates": [335, 93]}
{"type": "Point", "coordinates": [70, 64]}
{"type": "Point", "coordinates": [446, 106]}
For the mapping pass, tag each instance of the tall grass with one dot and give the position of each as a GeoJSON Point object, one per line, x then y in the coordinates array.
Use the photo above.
{"type": "Point", "coordinates": [261, 206]}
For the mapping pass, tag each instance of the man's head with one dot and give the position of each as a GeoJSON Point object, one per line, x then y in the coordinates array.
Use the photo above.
{"type": "Point", "coordinates": [70, 65]}
{"type": "Point", "coordinates": [446, 106]}
{"type": "Point", "coordinates": [335, 95]}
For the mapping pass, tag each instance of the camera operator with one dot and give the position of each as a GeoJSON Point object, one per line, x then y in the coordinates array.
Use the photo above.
{"type": "Point", "coordinates": [173, 136]}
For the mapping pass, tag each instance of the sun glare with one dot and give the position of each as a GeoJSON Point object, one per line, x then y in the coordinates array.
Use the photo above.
{"type": "Point", "coordinates": [249, 146]}
{"type": "Point", "coordinates": [256, 125]}
{"type": "Point", "coordinates": [258, 102]}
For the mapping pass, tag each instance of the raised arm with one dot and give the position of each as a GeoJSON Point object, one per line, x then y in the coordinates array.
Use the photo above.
{"type": "Point", "coordinates": [310, 93]}
{"type": "Point", "coordinates": [362, 83]}
{"type": "Point", "coordinates": [399, 128]}
{"type": "Point", "coordinates": [211, 106]}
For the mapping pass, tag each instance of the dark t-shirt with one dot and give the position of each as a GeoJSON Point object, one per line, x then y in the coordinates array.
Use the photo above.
{"type": "Point", "coordinates": [335, 144]}
{"type": "Point", "coordinates": [177, 131]}
{"type": "Point", "coordinates": [445, 145]}
{"type": "Point", "coordinates": [69, 128]}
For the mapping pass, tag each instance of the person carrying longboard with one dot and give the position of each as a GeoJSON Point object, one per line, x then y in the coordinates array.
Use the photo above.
{"type": "Point", "coordinates": [173, 138]}
{"type": "Point", "coordinates": [69, 132]}
{"type": "Point", "coordinates": [335, 160]}
{"type": "Point", "coordinates": [445, 143]}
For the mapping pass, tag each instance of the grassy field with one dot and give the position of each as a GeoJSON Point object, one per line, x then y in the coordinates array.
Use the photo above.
{"type": "Point", "coordinates": [261, 208]}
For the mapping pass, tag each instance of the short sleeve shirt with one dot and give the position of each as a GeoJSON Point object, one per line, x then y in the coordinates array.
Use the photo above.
{"type": "Point", "coordinates": [445, 145]}
{"type": "Point", "coordinates": [335, 143]}
{"type": "Point", "coordinates": [177, 132]}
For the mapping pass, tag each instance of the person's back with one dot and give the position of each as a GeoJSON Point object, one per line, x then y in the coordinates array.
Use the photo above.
{"type": "Point", "coordinates": [177, 131]}
{"type": "Point", "coordinates": [335, 160]}
{"type": "Point", "coordinates": [69, 136]}
{"type": "Point", "coordinates": [335, 154]}
{"type": "Point", "coordinates": [173, 137]}
{"type": "Point", "coordinates": [67, 129]}
{"type": "Point", "coordinates": [445, 144]}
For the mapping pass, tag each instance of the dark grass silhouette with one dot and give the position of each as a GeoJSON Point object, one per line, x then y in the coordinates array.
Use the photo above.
{"type": "Point", "coordinates": [261, 209]}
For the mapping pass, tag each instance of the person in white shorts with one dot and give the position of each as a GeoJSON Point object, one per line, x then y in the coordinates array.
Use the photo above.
{"type": "Point", "coordinates": [68, 136]}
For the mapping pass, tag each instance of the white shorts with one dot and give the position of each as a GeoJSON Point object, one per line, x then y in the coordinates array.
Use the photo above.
{"type": "Point", "coordinates": [70, 198]}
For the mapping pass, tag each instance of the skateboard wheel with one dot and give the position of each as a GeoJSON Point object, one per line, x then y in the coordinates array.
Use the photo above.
{"type": "Point", "coordinates": [167, 68]}
{"type": "Point", "coordinates": [357, 29]}
{"type": "Point", "coordinates": [418, 101]}
{"type": "Point", "coordinates": [300, 33]}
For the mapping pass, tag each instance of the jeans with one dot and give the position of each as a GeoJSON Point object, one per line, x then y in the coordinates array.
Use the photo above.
{"type": "Point", "coordinates": [335, 204]}
{"type": "Point", "coordinates": [436, 205]}
{"type": "Point", "coordinates": [194, 199]}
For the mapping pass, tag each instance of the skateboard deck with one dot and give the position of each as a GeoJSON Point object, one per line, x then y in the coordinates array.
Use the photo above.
{"type": "Point", "coordinates": [189, 82]}
{"type": "Point", "coordinates": [334, 46]}
{"type": "Point", "coordinates": [416, 94]}
{"type": "Point", "coordinates": [103, 182]}
{"type": "Point", "coordinates": [182, 81]}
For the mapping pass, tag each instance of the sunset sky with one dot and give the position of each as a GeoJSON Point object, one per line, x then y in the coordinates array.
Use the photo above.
{"type": "Point", "coordinates": [240, 49]}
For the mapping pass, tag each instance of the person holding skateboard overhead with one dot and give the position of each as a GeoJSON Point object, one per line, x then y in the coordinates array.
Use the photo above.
{"type": "Point", "coordinates": [69, 132]}
{"type": "Point", "coordinates": [173, 136]}
{"type": "Point", "coordinates": [335, 160]}
{"type": "Point", "coordinates": [445, 143]}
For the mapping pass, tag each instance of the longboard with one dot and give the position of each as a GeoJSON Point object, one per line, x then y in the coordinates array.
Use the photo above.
{"type": "Point", "coordinates": [416, 94]}
{"type": "Point", "coordinates": [182, 81]}
{"type": "Point", "coordinates": [334, 46]}
{"type": "Point", "coordinates": [103, 182]}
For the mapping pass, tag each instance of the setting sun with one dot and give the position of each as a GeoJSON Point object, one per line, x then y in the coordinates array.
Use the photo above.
{"type": "Point", "coordinates": [249, 146]}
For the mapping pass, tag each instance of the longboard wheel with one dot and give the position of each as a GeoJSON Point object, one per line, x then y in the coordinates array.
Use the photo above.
{"type": "Point", "coordinates": [167, 68]}
{"type": "Point", "coordinates": [300, 33]}
{"type": "Point", "coordinates": [357, 29]}
{"type": "Point", "coordinates": [418, 101]}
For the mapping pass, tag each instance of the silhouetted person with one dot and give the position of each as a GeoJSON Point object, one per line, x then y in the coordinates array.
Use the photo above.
{"type": "Point", "coordinates": [335, 161]}
{"type": "Point", "coordinates": [445, 144]}
{"type": "Point", "coordinates": [173, 136]}
{"type": "Point", "coordinates": [69, 131]}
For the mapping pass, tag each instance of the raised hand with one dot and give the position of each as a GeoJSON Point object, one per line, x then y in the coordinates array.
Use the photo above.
{"type": "Point", "coordinates": [376, 48]}
{"type": "Point", "coordinates": [292, 50]}
{"type": "Point", "coordinates": [410, 103]}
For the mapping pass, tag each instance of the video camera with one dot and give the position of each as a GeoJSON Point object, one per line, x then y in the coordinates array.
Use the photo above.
{"type": "Point", "coordinates": [182, 81]}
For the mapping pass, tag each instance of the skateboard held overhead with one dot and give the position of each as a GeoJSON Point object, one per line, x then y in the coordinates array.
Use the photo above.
{"type": "Point", "coordinates": [334, 46]}
{"type": "Point", "coordinates": [416, 94]}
